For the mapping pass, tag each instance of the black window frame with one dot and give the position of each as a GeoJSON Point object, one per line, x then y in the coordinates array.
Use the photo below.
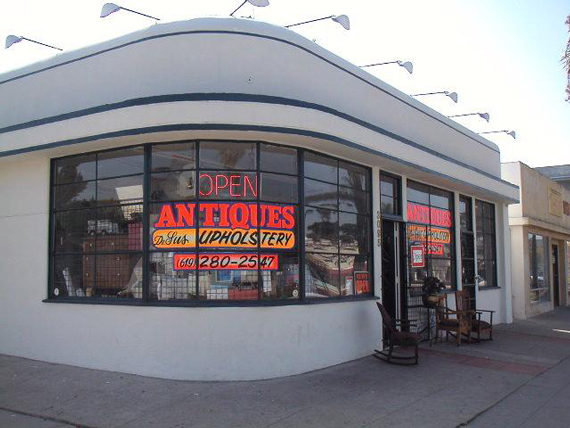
{"type": "Point", "coordinates": [147, 251]}
{"type": "Point", "coordinates": [397, 197]}
{"type": "Point", "coordinates": [452, 245]}
{"type": "Point", "coordinates": [486, 234]}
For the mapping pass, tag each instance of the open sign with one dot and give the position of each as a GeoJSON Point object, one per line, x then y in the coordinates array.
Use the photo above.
{"type": "Point", "coordinates": [228, 185]}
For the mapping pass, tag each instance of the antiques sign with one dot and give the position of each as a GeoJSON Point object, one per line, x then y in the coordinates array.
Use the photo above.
{"type": "Point", "coordinates": [225, 225]}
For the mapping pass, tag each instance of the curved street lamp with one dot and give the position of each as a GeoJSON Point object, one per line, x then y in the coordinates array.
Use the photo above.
{"type": "Point", "coordinates": [12, 39]}
{"type": "Point", "coordinates": [256, 3]}
{"type": "Point", "coordinates": [453, 95]}
{"type": "Point", "coordinates": [485, 116]}
{"type": "Point", "coordinates": [407, 65]}
{"type": "Point", "coordinates": [505, 131]}
{"type": "Point", "coordinates": [340, 19]}
{"type": "Point", "coordinates": [109, 8]}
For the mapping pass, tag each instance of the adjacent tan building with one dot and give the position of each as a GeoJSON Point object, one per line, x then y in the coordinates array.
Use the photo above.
{"type": "Point", "coordinates": [540, 241]}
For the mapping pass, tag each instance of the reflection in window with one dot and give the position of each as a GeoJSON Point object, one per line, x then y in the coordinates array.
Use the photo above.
{"type": "Point", "coordinates": [322, 275]}
{"type": "Point", "coordinates": [77, 195]}
{"type": "Point", "coordinates": [486, 244]}
{"type": "Point", "coordinates": [120, 162]}
{"type": "Point", "coordinates": [173, 157]}
{"type": "Point", "coordinates": [321, 167]}
{"type": "Point", "coordinates": [120, 190]}
{"type": "Point", "coordinates": [354, 275]}
{"type": "Point", "coordinates": [218, 228]}
{"type": "Point", "coordinates": [167, 283]}
{"type": "Point", "coordinates": [75, 169]}
{"type": "Point", "coordinates": [353, 176]}
{"type": "Point", "coordinates": [538, 269]}
{"type": "Point", "coordinates": [72, 230]}
{"type": "Point", "coordinates": [430, 236]}
{"type": "Point", "coordinates": [389, 195]}
{"type": "Point", "coordinates": [279, 188]}
{"type": "Point", "coordinates": [229, 285]}
{"type": "Point", "coordinates": [282, 283]}
{"type": "Point", "coordinates": [353, 201]}
{"type": "Point", "coordinates": [278, 159]}
{"type": "Point", "coordinates": [173, 186]}
{"type": "Point", "coordinates": [321, 194]}
{"type": "Point", "coordinates": [227, 155]}
{"type": "Point", "coordinates": [321, 230]}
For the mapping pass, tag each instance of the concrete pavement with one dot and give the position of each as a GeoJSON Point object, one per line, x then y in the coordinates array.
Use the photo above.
{"type": "Point", "coordinates": [521, 379]}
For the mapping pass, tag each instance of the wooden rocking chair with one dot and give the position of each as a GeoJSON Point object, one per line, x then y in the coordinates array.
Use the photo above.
{"type": "Point", "coordinates": [456, 323]}
{"type": "Point", "coordinates": [395, 338]}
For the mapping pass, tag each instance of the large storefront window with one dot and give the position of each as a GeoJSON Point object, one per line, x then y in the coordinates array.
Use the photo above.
{"type": "Point", "coordinates": [209, 221]}
{"type": "Point", "coordinates": [467, 247]}
{"type": "Point", "coordinates": [337, 228]}
{"type": "Point", "coordinates": [538, 268]}
{"type": "Point", "coordinates": [430, 235]}
{"type": "Point", "coordinates": [568, 270]}
{"type": "Point", "coordinates": [486, 244]}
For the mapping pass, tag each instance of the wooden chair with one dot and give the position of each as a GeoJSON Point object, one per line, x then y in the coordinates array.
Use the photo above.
{"type": "Point", "coordinates": [463, 303]}
{"type": "Point", "coordinates": [458, 323]}
{"type": "Point", "coordinates": [395, 338]}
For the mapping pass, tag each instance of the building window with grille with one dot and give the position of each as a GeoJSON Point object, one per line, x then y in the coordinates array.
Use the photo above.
{"type": "Point", "coordinates": [430, 236]}
{"type": "Point", "coordinates": [486, 244]}
{"type": "Point", "coordinates": [467, 246]}
{"type": "Point", "coordinates": [538, 268]}
{"type": "Point", "coordinates": [207, 221]}
{"type": "Point", "coordinates": [390, 200]}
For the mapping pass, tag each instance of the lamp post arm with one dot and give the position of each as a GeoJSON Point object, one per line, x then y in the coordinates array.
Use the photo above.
{"type": "Point", "coordinates": [40, 43]}
{"type": "Point", "coordinates": [427, 93]}
{"type": "Point", "coordinates": [464, 114]}
{"type": "Point", "coordinates": [378, 63]}
{"type": "Point", "coordinates": [308, 22]}
{"type": "Point", "coordinates": [238, 8]}
{"type": "Point", "coordinates": [139, 13]}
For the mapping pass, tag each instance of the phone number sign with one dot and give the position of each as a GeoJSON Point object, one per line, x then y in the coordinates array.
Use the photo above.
{"type": "Point", "coordinates": [220, 261]}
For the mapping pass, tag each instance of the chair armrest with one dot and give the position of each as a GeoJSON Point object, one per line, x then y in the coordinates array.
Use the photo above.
{"type": "Point", "coordinates": [405, 322]}
{"type": "Point", "coordinates": [485, 310]}
{"type": "Point", "coordinates": [468, 312]}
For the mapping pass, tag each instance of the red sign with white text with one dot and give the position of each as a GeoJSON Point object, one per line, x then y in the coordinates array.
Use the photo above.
{"type": "Point", "coordinates": [426, 215]}
{"type": "Point", "coordinates": [226, 225]}
{"type": "Point", "coordinates": [418, 256]}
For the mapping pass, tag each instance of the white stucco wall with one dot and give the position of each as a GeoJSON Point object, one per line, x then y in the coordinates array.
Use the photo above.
{"type": "Point", "coordinates": [212, 343]}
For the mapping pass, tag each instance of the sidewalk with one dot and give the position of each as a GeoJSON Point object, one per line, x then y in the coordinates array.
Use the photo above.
{"type": "Point", "coordinates": [522, 379]}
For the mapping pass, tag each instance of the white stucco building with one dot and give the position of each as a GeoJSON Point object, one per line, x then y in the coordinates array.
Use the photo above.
{"type": "Point", "coordinates": [195, 201]}
{"type": "Point", "coordinates": [540, 241]}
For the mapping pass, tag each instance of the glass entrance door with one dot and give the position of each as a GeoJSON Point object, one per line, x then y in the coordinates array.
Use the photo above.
{"type": "Point", "coordinates": [391, 273]}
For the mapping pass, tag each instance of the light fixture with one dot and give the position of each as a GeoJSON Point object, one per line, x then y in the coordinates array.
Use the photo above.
{"type": "Point", "coordinates": [109, 8]}
{"type": "Point", "coordinates": [256, 3]}
{"type": "Point", "coordinates": [452, 95]}
{"type": "Point", "coordinates": [485, 116]}
{"type": "Point", "coordinates": [340, 19]}
{"type": "Point", "coordinates": [11, 39]}
{"type": "Point", "coordinates": [405, 64]}
{"type": "Point", "coordinates": [506, 131]}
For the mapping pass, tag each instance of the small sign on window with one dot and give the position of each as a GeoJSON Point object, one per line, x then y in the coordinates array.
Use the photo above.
{"type": "Point", "coordinates": [418, 256]}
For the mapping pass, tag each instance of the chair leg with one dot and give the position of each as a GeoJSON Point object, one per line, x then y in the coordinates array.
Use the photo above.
{"type": "Point", "coordinates": [459, 336]}
{"type": "Point", "coordinates": [390, 352]}
{"type": "Point", "coordinates": [417, 353]}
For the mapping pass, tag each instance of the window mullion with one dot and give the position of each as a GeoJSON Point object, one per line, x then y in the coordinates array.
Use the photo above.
{"type": "Point", "coordinates": [146, 223]}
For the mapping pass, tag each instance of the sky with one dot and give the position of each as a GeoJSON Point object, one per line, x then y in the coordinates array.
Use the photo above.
{"type": "Point", "coordinates": [501, 57]}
